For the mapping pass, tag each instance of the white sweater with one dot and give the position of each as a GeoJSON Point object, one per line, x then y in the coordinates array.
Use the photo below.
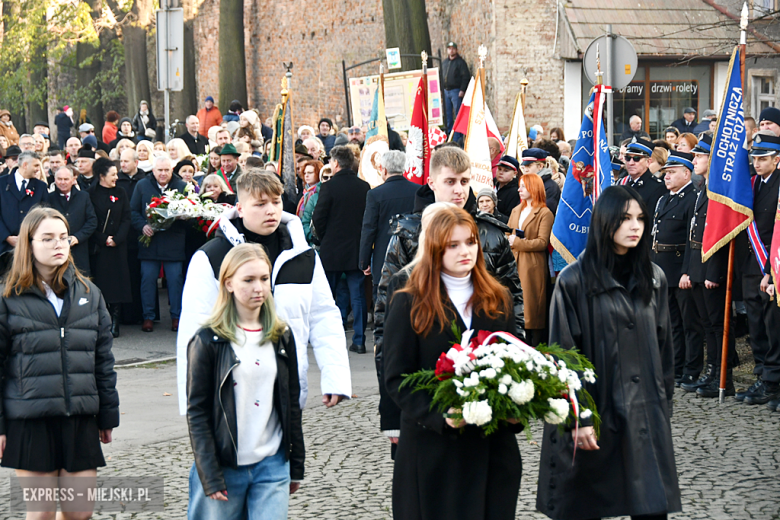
{"type": "Point", "coordinates": [259, 430]}
{"type": "Point", "coordinates": [460, 290]}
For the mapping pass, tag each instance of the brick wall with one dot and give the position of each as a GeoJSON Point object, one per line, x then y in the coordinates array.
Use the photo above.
{"type": "Point", "coordinates": [523, 46]}
{"type": "Point", "coordinates": [206, 35]}
{"type": "Point", "coordinates": [317, 36]}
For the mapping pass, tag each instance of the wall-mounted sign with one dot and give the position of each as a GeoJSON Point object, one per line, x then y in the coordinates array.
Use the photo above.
{"type": "Point", "coordinates": [400, 89]}
{"type": "Point", "coordinates": [393, 58]}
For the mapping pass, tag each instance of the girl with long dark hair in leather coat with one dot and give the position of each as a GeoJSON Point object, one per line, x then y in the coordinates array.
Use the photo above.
{"type": "Point", "coordinates": [611, 305]}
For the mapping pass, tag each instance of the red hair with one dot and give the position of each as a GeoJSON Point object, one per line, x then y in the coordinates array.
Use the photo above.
{"type": "Point", "coordinates": [535, 186]}
{"type": "Point", "coordinates": [490, 298]}
{"type": "Point", "coordinates": [317, 167]}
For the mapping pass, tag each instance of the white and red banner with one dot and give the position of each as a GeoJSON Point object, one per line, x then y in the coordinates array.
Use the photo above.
{"type": "Point", "coordinates": [476, 144]}
{"type": "Point", "coordinates": [418, 150]}
{"type": "Point", "coordinates": [462, 121]}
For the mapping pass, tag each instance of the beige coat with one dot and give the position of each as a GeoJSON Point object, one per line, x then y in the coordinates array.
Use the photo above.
{"type": "Point", "coordinates": [531, 255]}
{"type": "Point", "coordinates": [9, 132]}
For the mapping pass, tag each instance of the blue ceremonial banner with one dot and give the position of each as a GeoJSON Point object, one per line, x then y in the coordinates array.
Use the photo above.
{"type": "Point", "coordinates": [373, 129]}
{"type": "Point", "coordinates": [729, 189]}
{"type": "Point", "coordinates": [377, 125]}
{"type": "Point", "coordinates": [590, 173]}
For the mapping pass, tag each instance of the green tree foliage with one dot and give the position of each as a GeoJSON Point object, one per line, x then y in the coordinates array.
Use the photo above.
{"type": "Point", "coordinates": [39, 34]}
{"type": "Point", "coordinates": [36, 32]}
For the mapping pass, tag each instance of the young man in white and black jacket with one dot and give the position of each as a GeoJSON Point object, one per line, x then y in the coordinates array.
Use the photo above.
{"type": "Point", "coordinates": [301, 292]}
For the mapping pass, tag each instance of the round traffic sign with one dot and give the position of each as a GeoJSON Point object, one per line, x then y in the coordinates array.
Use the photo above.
{"type": "Point", "coordinates": [624, 61]}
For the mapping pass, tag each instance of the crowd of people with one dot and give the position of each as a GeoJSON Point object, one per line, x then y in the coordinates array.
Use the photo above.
{"type": "Point", "coordinates": [278, 273]}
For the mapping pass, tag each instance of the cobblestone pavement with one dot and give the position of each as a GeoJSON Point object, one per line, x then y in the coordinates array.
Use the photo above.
{"type": "Point", "coordinates": [723, 473]}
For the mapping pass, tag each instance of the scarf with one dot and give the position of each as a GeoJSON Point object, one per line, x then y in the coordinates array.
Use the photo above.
{"type": "Point", "coordinates": [225, 178]}
{"type": "Point", "coordinates": [307, 194]}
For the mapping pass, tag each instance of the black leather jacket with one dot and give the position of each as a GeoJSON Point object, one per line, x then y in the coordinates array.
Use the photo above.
{"type": "Point", "coordinates": [405, 231]}
{"type": "Point", "coordinates": [211, 406]}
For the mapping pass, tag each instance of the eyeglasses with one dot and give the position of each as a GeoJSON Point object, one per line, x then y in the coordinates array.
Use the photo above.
{"type": "Point", "coordinates": [51, 243]}
{"type": "Point", "coordinates": [354, 130]}
{"type": "Point", "coordinates": [325, 177]}
{"type": "Point", "coordinates": [635, 158]}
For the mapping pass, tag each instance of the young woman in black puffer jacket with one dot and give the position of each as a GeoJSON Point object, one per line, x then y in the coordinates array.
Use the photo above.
{"type": "Point", "coordinates": [59, 398]}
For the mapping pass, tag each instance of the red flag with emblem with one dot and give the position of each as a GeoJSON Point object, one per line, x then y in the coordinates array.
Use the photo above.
{"type": "Point", "coordinates": [418, 151]}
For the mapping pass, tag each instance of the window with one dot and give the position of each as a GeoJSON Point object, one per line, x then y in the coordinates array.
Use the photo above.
{"type": "Point", "coordinates": [763, 8]}
{"type": "Point", "coordinates": [763, 93]}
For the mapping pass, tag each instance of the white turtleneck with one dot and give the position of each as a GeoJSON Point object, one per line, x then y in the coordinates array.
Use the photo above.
{"type": "Point", "coordinates": [460, 290]}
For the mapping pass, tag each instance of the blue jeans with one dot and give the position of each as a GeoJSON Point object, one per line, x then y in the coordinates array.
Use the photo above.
{"type": "Point", "coordinates": [150, 270]}
{"type": "Point", "coordinates": [452, 102]}
{"type": "Point", "coordinates": [357, 297]}
{"type": "Point", "coordinates": [259, 491]}
{"type": "Point", "coordinates": [342, 299]}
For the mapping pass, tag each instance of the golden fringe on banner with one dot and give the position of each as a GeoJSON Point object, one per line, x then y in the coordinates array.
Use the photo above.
{"type": "Point", "coordinates": [558, 246]}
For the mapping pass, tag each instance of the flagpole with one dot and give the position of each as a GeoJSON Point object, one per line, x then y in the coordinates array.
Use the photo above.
{"type": "Point", "coordinates": [743, 23]}
{"type": "Point", "coordinates": [523, 86]}
{"type": "Point", "coordinates": [382, 79]}
{"type": "Point", "coordinates": [482, 57]}
{"type": "Point", "coordinates": [482, 52]}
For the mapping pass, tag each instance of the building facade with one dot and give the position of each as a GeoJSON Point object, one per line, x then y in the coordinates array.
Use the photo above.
{"type": "Point", "coordinates": [683, 48]}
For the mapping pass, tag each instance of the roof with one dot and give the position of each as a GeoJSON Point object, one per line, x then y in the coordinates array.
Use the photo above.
{"type": "Point", "coordinates": [661, 28]}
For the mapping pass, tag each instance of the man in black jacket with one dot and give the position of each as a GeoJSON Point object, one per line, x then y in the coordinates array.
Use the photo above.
{"type": "Point", "coordinates": [194, 141]}
{"type": "Point", "coordinates": [337, 219]}
{"type": "Point", "coordinates": [84, 163]}
{"type": "Point", "coordinates": [20, 190]}
{"type": "Point", "coordinates": [392, 198]}
{"type": "Point", "coordinates": [165, 248]}
{"type": "Point", "coordinates": [649, 187]}
{"type": "Point", "coordinates": [456, 76]}
{"type": "Point", "coordinates": [129, 177]}
{"type": "Point", "coordinates": [672, 217]}
{"type": "Point", "coordinates": [762, 312]}
{"type": "Point", "coordinates": [687, 123]}
{"type": "Point", "coordinates": [507, 184]}
{"type": "Point", "coordinates": [76, 206]}
{"type": "Point", "coordinates": [634, 129]}
{"type": "Point", "coordinates": [450, 175]}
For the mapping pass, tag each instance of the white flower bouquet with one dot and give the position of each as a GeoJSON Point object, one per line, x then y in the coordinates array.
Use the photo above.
{"type": "Point", "coordinates": [173, 205]}
{"type": "Point", "coordinates": [492, 378]}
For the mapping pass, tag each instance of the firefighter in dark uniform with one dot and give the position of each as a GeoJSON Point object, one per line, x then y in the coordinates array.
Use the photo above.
{"type": "Point", "coordinates": [617, 164]}
{"type": "Point", "coordinates": [706, 281]}
{"type": "Point", "coordinates": [673, 214]}
{"type": "Point", "coordinates": [649, 187]}
{"type": "Point", "coordinates": [763, 313]}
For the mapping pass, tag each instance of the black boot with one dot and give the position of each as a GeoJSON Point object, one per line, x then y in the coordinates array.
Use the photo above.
{"type": "Point", "coordinates": [764, 393]}
{"type": "Point", "coordinates": [740, 396]}
{"type": "Point", "coordinates": [713, 388]}
{"type": "Point", "coordinates": [704, 380]}
{"type": "Point", "coordinates": [116, 316]}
